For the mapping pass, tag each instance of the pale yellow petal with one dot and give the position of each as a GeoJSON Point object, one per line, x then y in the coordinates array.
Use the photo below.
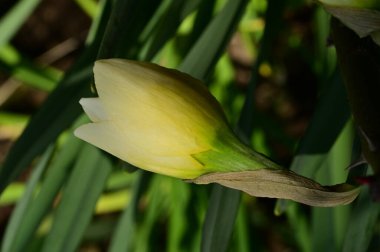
{"type": "Point", "coordinates": [156, 138]}
{"type": "Point", "coordinates": [156, 108]}
{"type": "Point", "coordinates": [94, 109]}
{"type": "Point", "coordinates": [108, 137]}
{"type": "Point", "coordinates": [130, 82]}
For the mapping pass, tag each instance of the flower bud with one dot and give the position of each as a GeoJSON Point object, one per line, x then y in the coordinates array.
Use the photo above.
{"type": "Point", "coordinates": [161, 120]}
{"type": "Point", "coordinates": [167, 122]}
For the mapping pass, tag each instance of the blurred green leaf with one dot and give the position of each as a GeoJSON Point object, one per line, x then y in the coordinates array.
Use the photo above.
{"type": "Point", "coordinates": [54, 179]}
{"type": "Point", "coordinates": [224, 195]}
{"type": "Point", "coordinates": [168, 24]}
{"type": "Point", "coordinates": [124, 234]}
{"type": "Point", "coordinates": [363, 219]}
{"type": "Point", "coordinates": [242, 231]}
{"type": "Point", "coordinates": [147, 237]}
{"type": "Point", "coordinates": [217, 226]}
{"type": "Point", "coordinates": [273, 17]}
{"type": "Point", "coordinates": [78, 200]}
{"type": "Point", "coordinates": [44, 78]}
{"type": "Point", "coordinates": [22, 205]}
{"type": "Point", "coordinates": [177, 213]}
{"type": "Point", "coordinates": [12, 118]}
{"type": "Point", "coordinates": [327, 121]}
{"type": "Point", "coordinates": [88, 6]}
{"type": "Point", "coordinates": [209, 47]}
{"type": "Point", "coordinates": [12, 194]}
{"type": "Point", "coordinates": [12, 21]}
{"type": "Point", "coordinates": [329, 224]}
{"type": "Point", "coordinates": [127, 22]}
{"type": "Point", "coordinates": [57, 113]}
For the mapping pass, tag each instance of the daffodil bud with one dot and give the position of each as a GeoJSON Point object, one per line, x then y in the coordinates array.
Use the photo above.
{"type": "Point", "coordinates": [167, 122]}
{"type": "Point", "coordinates": [161, 120]}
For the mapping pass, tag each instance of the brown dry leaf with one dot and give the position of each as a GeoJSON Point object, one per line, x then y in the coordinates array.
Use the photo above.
{"type": "Point", "coordinates": [283, 184]}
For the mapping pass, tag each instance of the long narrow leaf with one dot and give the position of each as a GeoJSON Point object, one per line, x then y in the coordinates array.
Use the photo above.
{"type": "Point", "coordinates": [217, 228]}
{"type": "Point", "coordinates": [124, 234]}
{"type": "Point", "coordinates": [57, 113]}
{"type": "Point", "coordinates": [224, 195]}
{"type": "Point", "coordinates": [207, 50]}
{"type": "Point", "coordinates": [52, 183]}
{"type": "Point", "coordinates": [13, 20]}
{"type": "Point", "coordinates": [362, 223]}
{"type": "Point", "coordinates": [329, 224]}
{"type": "Point", "coordinates": [22, 205]}
{"type": "Point", "coordinates": [78, 201]}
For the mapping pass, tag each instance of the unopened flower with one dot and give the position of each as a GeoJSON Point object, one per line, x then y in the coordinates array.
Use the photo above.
{"type": "Point", "coordinates": [167, 122]}
{"type": "Point", "coordinates": [161, 120]}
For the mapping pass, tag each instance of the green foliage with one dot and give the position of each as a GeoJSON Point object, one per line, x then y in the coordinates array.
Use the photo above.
{"type": "Point", "coordinates": [69, 195]}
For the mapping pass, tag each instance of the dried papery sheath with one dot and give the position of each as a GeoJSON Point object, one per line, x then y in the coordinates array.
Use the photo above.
{"type": "Point", "coordinates": [167, 122]}
{"type": "Point", "coordinates": [283, 184]}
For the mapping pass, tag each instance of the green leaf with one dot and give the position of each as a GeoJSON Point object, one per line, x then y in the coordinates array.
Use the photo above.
{"type": "Point", "coordinates": [14, 18]}
{"type": "Point", "coordinates": [362, 223]}
{"type": "Point", "coordinates": [207, 50]}
{"type": "Point", "coordinates": [52, 183]}
{"type": "Point", "coordinates": [168, 24]}
{"type": "Point", "coordinates": [124, 234]}
{"type": "Point", "coordinates": [22, 205]}
{"type": "Point", "coordinates": [22, 69]}
{"type": "Point", "coordinates": [148, 237]}
{"type": "Point", "coordinates": [217, 228]}
{"type": "Point", "coordinates": [329, 225]}
{"type": "Point", "coordinates": [243, 237]}
{"type": "Point", "coordinates": [126, 23]}
{"type": "Point", "coordinates": [78, 201]}
{"type": "Point", "coordinates": [57, 113]}
{"type": "Point", "coordinates": [227, 196]}
{"type": "Point", "coordinates": [88, 6]}
{"type": "Point", "coordinates": [327, 121]}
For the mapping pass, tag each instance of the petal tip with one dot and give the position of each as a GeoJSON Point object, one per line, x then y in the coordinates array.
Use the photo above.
{"type": "Point", "coordinates": [77, 132]}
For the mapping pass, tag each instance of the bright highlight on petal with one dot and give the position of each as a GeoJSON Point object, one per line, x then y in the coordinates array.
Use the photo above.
{"type": "Point", "coordinates": [94, 109]}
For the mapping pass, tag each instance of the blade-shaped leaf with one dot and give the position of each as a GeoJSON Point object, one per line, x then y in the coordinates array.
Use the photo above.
{"type": "Point", "coordinates": [124, 233]}
{"type": "Point", "coordinates": [78, 201]}
{"type": "Point", "coordinates": [217, 228]}
{"type": "Point", "coordinates": [57, 113]}
{"type": "Point", "coordinates": [13, 20]}
{"type": "Point", "coordinates": [362, 223]}
{"type": "Point", "coordinates": [168, 24]}
{"type": "Point", "coordinates": [42, 203]}
{"type": "Point", "coordinates": [22, 205]}
{"type": "Point", "coordinates": [226, 196]}
{"type": "Point", "coordinates": [207, 50]}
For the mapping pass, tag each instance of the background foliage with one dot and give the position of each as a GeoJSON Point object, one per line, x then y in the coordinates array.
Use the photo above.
{"type": "Point", "coordinates": [270, 64]}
